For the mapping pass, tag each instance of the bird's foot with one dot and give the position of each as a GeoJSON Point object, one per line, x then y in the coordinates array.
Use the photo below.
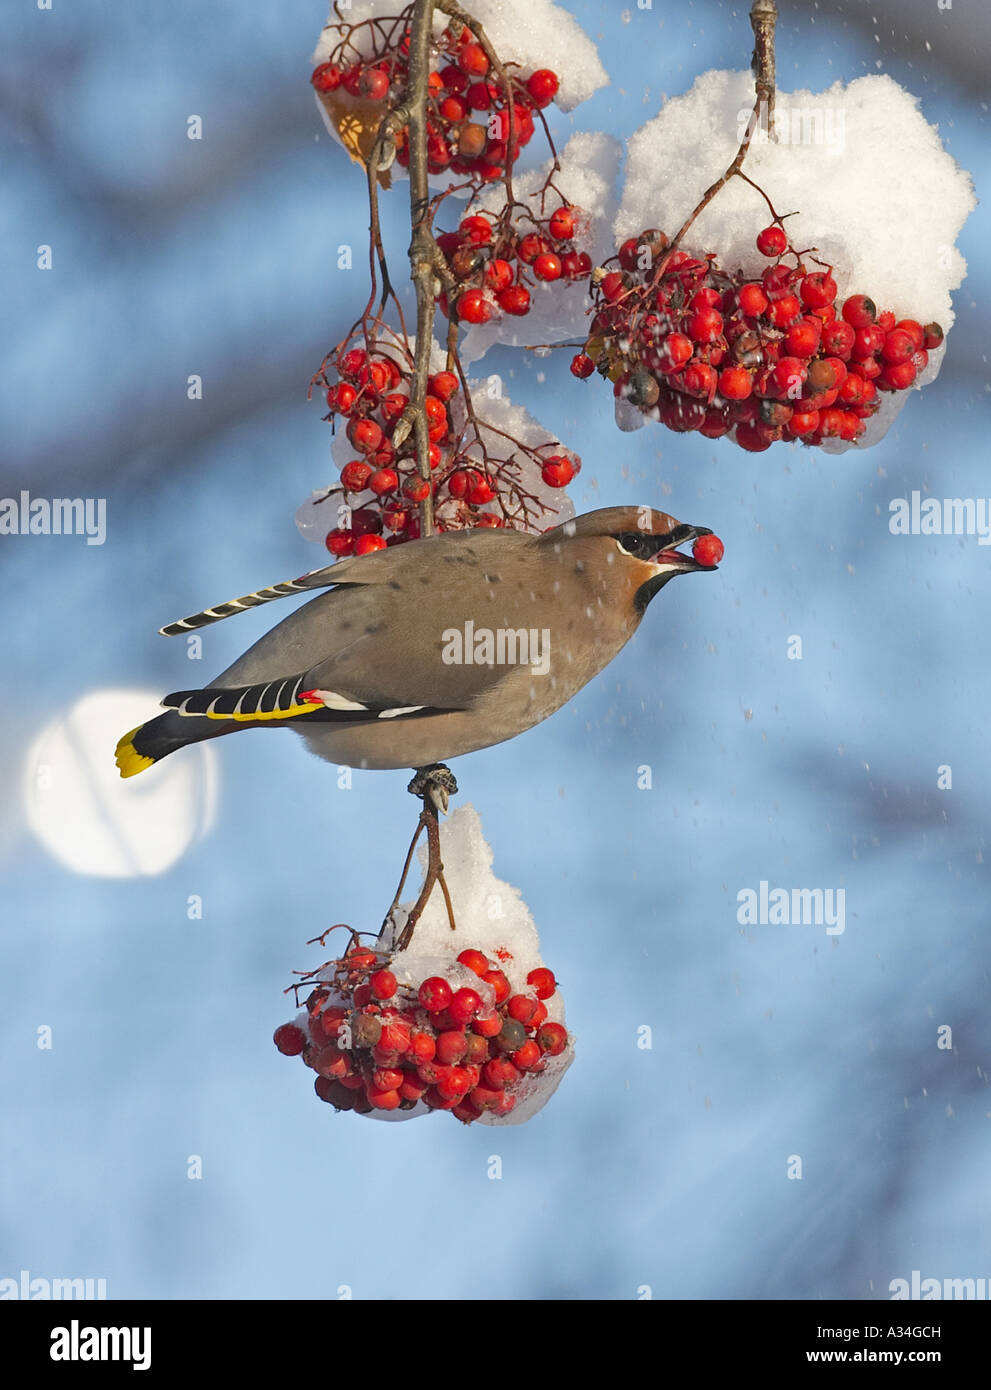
{"type": "Point", "coordinates": [436, 782]}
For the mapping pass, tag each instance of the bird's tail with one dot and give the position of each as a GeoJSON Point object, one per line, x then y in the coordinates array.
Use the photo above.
{"type": "Point", "coordinates": [150, 743]}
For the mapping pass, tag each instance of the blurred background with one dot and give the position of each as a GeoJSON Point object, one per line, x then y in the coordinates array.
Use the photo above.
{"type": "Point", "coordinates": [152, 926]}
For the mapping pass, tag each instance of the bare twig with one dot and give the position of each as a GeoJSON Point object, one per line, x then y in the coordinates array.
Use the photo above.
{"type": "Point", "coordinates": [763, 17]}
{"type": "Point", "coordinates": [422, 250]}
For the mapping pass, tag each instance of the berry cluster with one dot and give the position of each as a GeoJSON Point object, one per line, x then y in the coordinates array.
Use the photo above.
{"type": "Point", "coordinates": [378, 1044]}
{"type": "Point", "coordinates": [769, 359]}
{"type": "Point", "coordinates": [384, 486]}
{"type": "Point", "coordinates": [493, 260]}
{"type": "Point", "coordinates": [469, 130]}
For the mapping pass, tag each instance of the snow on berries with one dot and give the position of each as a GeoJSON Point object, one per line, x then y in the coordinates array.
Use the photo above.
{"type": "Point", "coordinates": [500, 469]}
{"type": "Point", "coordinates": [869, 199]}
{"type": "Point", "coordinates": [758, 360]}
{"type": "Point", "coordinates": [477, 1029]}
{"type": "Point", "coordinates": [361, 70]}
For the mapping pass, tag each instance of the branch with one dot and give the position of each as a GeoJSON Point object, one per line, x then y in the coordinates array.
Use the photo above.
{"type": "Point", "coordinates": [763, 17]}
{"type": "Point", "coordinates": [422, 250]}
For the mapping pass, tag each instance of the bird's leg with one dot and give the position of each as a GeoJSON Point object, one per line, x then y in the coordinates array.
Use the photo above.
{"type": "Point", "coordinates": [435, 785]}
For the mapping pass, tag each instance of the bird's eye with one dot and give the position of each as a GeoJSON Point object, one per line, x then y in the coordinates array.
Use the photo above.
{"type": "Point", "coordinates": [636, 544]}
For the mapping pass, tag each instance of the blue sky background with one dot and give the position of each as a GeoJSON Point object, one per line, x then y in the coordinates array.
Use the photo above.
{"type": "Point", "coordinates": [666, 1167]}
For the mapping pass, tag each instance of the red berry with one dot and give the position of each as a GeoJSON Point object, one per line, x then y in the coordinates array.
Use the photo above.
{"type": "Point", "coordinates": [498, 275]}
{"type": "Point", "coordinates": [784, 310]}
{"type": "Point", "coordinates": [444, 385]}
{"type": "Point", "coordinates": [453, 79]}
{"type": "Point", "coordinates": [530, 247]}
{"type": "Point", "coordinates": [676, 350]}
{"type": "Point", "coordinates": [326, 77]}
{"type": "Point", "coordinates": [435, 994]}
{"type": "Point", "coordinates": [542, 86]}
{"type": "Point", "coordinates": [752, 299]}
{"type": "Point", "coordinates": [582, 366]}
{"type": "Point", "coordinates": [528, 1055]}
{"type": "Point", "coordinates": [451, 1047]}
{"type": "Point", "coordinates": [473, 307]}
{"type": "Point", "coordinates": [515, 300]}
{"type": "Point", "coordinates": [373, 84]}
{"type": "Point", "coordinates": [803, 422]}
{"type": "Point", "coordinates": [480, 95]}
{"type": "Point", "coordinates": [838, 338]}
{"type": "Point", "coordinates": [355, 475]}
{"type": "Point", "coordinates": [499, 1073]}
{"type": "Point", "coordinates": [488, 1026]}
{"type": "Point", "coordinates": [802, 338]}
{"type": "Point", "coordinates": [788, 376]}
{"type": "Point", "coordinates": [552, 1038]}
{"type": "Point", "coordinates": [499, 983]}
{"type": "Point", "coordinates": [613, 285]}
{"type": "Point", "coordinates": [932, 336]}
{"type": "Point", "coordinates": [772, 241]}
{"type": "Point", "coordinates": [384, 1100]}
{"type": "Point", "coordinates": [886, 321]}
{"type": "Point", "coordinates": [340, 541]}
{"type": "Point", "coordinates": [472, 60]}
{"type": "Point", "coordinates": [707, 550]}
{"type": "Point", "coordinates": [705, 326]}
{"type": "Point", "coordinates": [365, 435]}
{"type": "Point", "coordinates": [562, 223]}
{"type": "Point", "coordinates": [475, 961]}
{"type": "Point", "coordinates": [818, 289]}
{"type": "Point", "coordinates": [384, 986]}
{"type": "Point", "coordinates": [289, 1039]}
{"type": "Point", "coordinates": [547, 266]}
{"type": "Point", "coordinates": [914, 329]}
{"type": "Point", "coordinates": [735, 383]}
{"type": "Point", "coordinates": [543, 982]}
{"type": "Point", "coordinates": [859, 311]}
{"type": "Point", "coordinates": [464, 1005]}
{"type": "Point", "coordinates": [422, 1046]}
{"type": "Point", "coordinates": [383, 480]}
{"type": "Point", "coordinates": [898, 376]}
{"type": "Point", "coordinates": [575, 264]}
{"type": "Point", "coordinates": [558, 471]}
{"type": "Point", "coordinates": [521, 1007]}
{"type": "Point", "coordinates": [476, 230]}
{"type": "Point", "coordinates": [480, 490]}
{"type": "Point", "coordinates": [749, 437]}
{"type": "Point", "coordinates": [898, 346]}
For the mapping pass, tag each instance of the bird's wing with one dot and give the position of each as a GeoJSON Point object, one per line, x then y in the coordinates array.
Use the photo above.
{"type": "Point", "coordinates": [383, 638]}
{"type": "Point", "coordinates": [288, 699]}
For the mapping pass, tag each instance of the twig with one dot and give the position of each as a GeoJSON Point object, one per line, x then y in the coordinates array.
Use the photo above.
{"type": "Point", "coordinates": [763, 17]}
{"type": "Point", "coordinates": [422, 249]}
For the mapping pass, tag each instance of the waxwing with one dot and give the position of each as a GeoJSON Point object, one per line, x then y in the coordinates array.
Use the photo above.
{"type": "Point", "coordinates": [424, 651]}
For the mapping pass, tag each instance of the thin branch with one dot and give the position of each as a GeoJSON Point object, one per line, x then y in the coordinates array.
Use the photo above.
{"type": "Point", "coordinates": [422, 249]}
{"type": "Point", "coordinates": [763, 17]}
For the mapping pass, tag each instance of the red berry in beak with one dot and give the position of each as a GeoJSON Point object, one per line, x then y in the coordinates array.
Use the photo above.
{"type": "Point", "coordinates": [708, 550]}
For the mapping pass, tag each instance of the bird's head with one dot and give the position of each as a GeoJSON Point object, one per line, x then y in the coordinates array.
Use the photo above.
{"type": "Point", "coordinates": [645, 542]}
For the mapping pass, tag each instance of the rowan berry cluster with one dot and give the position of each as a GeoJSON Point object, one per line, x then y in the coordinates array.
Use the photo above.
{"type": "Point", "coordinates": [768, 359]}
{"type": "Point", "coordinates": [378, 1044]}
{"type": "Point", "coordinates": [469, 129]}
{"type": "Point", "coordinates": [493, 261]}
{"type": "Point", "coordinates": [383, 484]}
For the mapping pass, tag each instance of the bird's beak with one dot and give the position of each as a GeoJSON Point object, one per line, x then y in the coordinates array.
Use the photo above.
{"type": "Point", "coordinates": [670, 557]}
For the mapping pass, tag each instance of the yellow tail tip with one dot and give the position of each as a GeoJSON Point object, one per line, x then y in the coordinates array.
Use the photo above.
{"type": "Point", "coordinates": [129, 760]}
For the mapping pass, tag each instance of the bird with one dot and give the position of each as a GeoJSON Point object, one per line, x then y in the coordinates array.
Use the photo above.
{"type": "Point", "coordinates": [425, 651]}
